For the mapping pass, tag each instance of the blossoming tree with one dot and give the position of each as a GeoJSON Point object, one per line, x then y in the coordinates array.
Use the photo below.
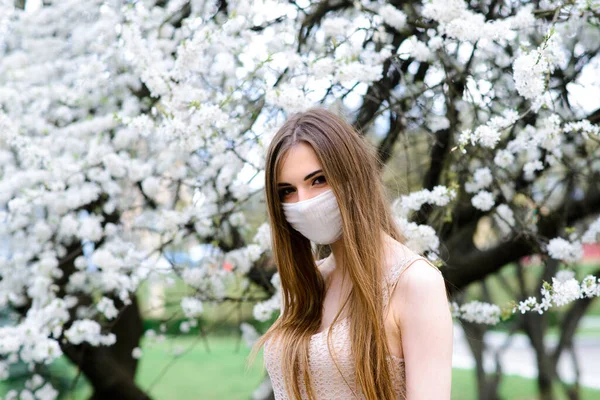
{"type": "Point", "coordinates": [132, 127]}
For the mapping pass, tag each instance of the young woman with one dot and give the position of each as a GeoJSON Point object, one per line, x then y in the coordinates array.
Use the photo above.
{"type": "Point", "coordinates": [359, 323]}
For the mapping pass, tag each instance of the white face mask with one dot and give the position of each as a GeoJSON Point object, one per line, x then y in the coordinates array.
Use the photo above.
{"type": "Point", "coordinates": [318, 219]}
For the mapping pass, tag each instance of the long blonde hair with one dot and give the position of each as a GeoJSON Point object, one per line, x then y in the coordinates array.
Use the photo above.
{"type": "Point", "coordinates": [352, 170]}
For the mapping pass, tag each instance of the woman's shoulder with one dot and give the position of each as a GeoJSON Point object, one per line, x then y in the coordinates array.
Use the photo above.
{"type": "Point", "coordinates": [400, 257]}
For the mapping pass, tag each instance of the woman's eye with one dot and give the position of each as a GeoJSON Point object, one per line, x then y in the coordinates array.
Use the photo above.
{"type": "Point", "coordinates": [284, 192]}
{"type": "Point", "coordinates": [320, 179]}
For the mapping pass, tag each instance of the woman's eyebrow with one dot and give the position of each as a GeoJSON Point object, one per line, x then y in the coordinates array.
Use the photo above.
{"type": "Point", "coordinates": [307, 177]}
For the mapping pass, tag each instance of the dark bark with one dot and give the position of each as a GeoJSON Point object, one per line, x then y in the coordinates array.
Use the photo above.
{"type": "Point", "coordinates": [487, 387]}
{"type": "Point", "coordinates": [570, 322]}
{"type": "Point", "coordinates": [262, 272]}
{"type": "Point", "coordinates": [465, 267]}
{"type": "Point", "coordinates": [314, 18]}
{"type": "Point", "coordinates": [386, 147]}
{"type": "Point", "coordinates": [380, 92]}
{"type": "Point", "coordinates": [535, 326]}
{"type": "Point", "coordinates": [111, 370]}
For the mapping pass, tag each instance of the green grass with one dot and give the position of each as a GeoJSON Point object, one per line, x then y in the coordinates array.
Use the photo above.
{"type": "Point", "coordinates": [218, 372]}
{"type": "Point", "coordinates": [464, 387]}
{"type": "Point", "coordinates": [212, 369]}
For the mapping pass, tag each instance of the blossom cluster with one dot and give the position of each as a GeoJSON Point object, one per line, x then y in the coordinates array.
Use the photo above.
{"type": "Point", "coordinates": [592, 234]}
{"type": "Point", "coordinates": [439, 196]}
{"type": "Point", "coordinates": [249, 333]}
{"type": "Point", "coordinates": [264, 310]}
{"type": "Point", "coordinates": [530, 69]}
{"type": "Point", "coordinates": [564, 290]}
{"type": "Point", "coordinates": [562, 249]}
{"type": "Point", "coordinates": [505, 218]}
{"type": "Point", "coordinates": [477, 311]}
{"type": "Point", "coordinates": [419, 238]}
{"type": "Point", "coordinates": [489, 135]}
{"type": "Point", "coordinates": [36, 388]}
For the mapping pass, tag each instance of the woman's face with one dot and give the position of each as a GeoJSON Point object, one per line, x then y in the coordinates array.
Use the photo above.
{"type": "Point", "coordinates": [300, 175]}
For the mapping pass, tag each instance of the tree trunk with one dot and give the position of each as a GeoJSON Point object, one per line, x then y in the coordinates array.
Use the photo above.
{"type": "Point", "coordinates": [111, 370]}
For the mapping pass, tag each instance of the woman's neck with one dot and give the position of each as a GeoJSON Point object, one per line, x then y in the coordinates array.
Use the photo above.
{"type": "Point", "coordinates": [337, 250]}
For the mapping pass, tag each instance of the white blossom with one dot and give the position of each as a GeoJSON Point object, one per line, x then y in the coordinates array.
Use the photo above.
{"type": "Point", "coordinates": [562, 249]}
{"type": "Point", "coordinates": [184, 327]}
{"type": "Point", "coordinates": [86, 330]}
{"type": "Point", "coordinates": [358, 71]}
{"type": "Point", "coordinates": [263, 310]}
{"type": "Point", "coordinates": [564, 275]}
{"type": "Point", "coordinates": [192, 307]}
{"type": "Point", "coordinates": [136, 353]}
{"type": "Point", "coordinates": [90, 229]}
{"type": "Point", "coordinates": [565, 291]}
{"type": "Point", "coordinates": [4, 371]}
{"type": "Point", "coordinates": [288, 98]}
{"type": "Point", "coordinates": [418, 49]}
{"type": "Point", "coordinates": [263, 236]}
{"type": "Point", "coordinates": [487, 136]}
{"type": "Point", "coordinates": [524, 19]}
{"type": "Point", "coordinates": [438, 123]}
{"type": "Point", "coordinates": [482, 178]}
{"type": "Point", "coordinates": [478, 312]}
{"type": "Point", "coordinates": [504, 158]}
{"type": "Point", "coordinates": [504, 217]}
{"type": "Point", "coordinates": [420, 238]}
{"type": "Point", "coordinates": [530, 68]}
{"type": "Point", "coordinates": [46, 392]}
{"type": "Point", "coordinates": [435, 43]}
{"type": "Point", "coordinates": [276, 281]}
{"type": "Point", "coordinates": [34, 382]}
{"type": "Point", "coordinates": [392, 16]}
{"type": "Point", "coordinates": [529, 75]}
{"type": "Point", "coordinates": [592, 234]}
{"type": "Point", "coordinates": [249, 333]}
{"type": "Point", "coordinates": [323, 67]}
{"type": "Point", "coordinates": [107, 307]}
{"type": "Point", "coordinates": [590, 286]}
{"type": "Point", "coordinates": [483, 200]}
{"type": "Point", "coordinates": [530, 168]}
{"type": "Point", "coordinates": [584, 126]}
{"type": "Point", "coordinates": [440, 196]}
{"type": "Point", "coordinates": [336, 26]}
{"type": "Point", "coordinates": [151, 186]}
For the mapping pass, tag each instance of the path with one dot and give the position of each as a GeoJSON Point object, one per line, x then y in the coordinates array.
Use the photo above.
{"type": "Point", "coordinates": [519, 357]}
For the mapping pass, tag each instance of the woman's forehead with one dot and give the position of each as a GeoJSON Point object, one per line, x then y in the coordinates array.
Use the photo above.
{"type": "Point", "coordinates": [297, 162]}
